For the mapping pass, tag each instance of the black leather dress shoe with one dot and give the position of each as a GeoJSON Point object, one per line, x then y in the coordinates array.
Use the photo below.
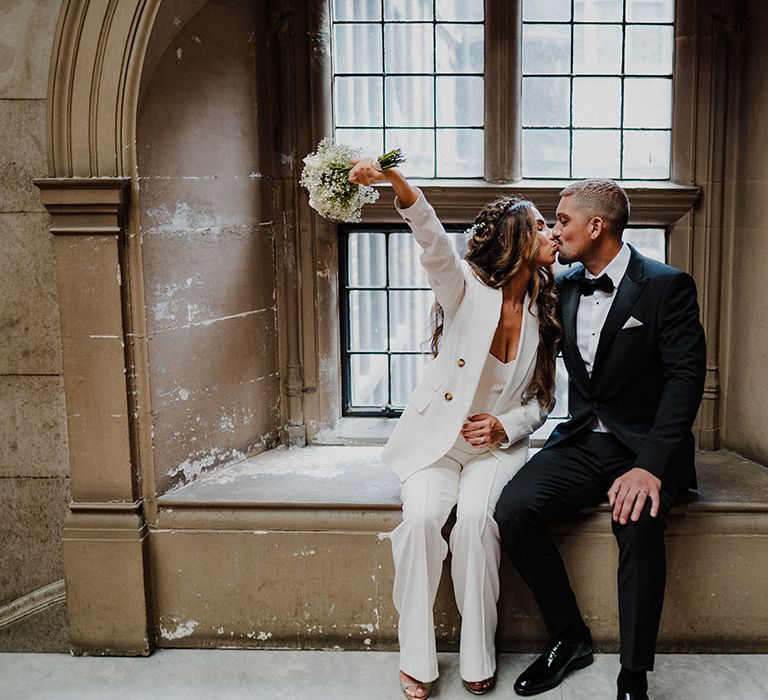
{"type": "Point", "coordinates": [631, 696]}
{"type": "Point", "coordinates": [563, 654]}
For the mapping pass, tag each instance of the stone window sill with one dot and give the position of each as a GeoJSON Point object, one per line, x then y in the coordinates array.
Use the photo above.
{"type": "Point", "coordinates": [348, 488]}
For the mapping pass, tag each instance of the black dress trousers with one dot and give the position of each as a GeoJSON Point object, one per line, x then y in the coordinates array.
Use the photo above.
{"type": "Point", "coordinates": [559, 481]}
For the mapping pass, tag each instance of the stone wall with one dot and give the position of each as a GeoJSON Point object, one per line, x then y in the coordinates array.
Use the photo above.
{"type": "Point", "coordinates": [745, 422]}
{"type": "Point", "coordinates": [205, 197]}
{"type": "Point", "coordinates": [33, 434]}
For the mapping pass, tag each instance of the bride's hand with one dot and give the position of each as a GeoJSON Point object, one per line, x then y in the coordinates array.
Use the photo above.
{"type": "Point", "coordinates": [367, 171]}
{"type": "Point", "coordinates": [483, 430]}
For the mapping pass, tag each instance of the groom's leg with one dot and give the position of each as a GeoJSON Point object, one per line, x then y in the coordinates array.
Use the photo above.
{"type": "Point", "coordinates": [641, 579]}
{"type": "Point", "coordinates": [557, 481]}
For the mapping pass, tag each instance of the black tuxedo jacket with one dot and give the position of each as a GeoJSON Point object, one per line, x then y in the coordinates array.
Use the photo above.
{"type": "Point", "coordinates": [647, 381]}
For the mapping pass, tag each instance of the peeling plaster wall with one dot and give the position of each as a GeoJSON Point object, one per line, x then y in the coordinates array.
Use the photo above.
{"type": "Point", "coordinates": [34, 459]}
{"type": "Point", "coordinates": [208, 243]}
{"type": "Point", "coordinates": [745, 422]}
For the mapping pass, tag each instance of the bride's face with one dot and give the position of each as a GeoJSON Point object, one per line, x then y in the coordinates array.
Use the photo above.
{"type": "Point", "coordinates": [547, 248]}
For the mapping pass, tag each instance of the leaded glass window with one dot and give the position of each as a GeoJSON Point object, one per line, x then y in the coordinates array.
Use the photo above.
{"type": "Point", "coordinates": [387, 307]}
{"type": "Point", "coordinates": [387, 310]}
{"type": "Point", "coordinates": [409, 74]}
{"type": "Point", "coordinates": [597, 88]}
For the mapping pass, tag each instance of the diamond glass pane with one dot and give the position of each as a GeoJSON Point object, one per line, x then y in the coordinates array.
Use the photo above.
{"type": "Point", "coordinates": [546, 102]}
{"type": "Point", "coordinates": [459, 48]}
{"type": "Point", "coordinates": [461, 101]}
{"type": "Point", "coordinates": [408, 48]}
{"type": "Point", "coordinates": [597, 49]}
{"type": "Point", "coordinates": [357, 102]}
{"type": "Point", "coordinates": [357, 48]}
{"type": "Point", "coordinates": [460, 152]}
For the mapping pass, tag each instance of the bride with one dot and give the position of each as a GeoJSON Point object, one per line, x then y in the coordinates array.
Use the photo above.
{"type": "Point", "coordinates": [464, 433]}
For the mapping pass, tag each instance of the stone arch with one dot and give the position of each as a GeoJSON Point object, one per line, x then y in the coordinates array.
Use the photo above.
{"type": "Point", "coordinates": [99, 54]}
{"type": "Point", "coordinates": [104, 53]}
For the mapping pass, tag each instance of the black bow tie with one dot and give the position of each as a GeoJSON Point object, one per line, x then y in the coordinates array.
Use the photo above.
{"type": "Point", "coordinates": [588, 286]}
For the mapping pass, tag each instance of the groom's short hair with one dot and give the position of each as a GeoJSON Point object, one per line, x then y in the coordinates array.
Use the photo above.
{"type": "Point", "coordinates": [604, 198]}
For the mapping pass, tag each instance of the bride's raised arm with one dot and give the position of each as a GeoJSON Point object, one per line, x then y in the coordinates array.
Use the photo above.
{"type": "Point", "coordinates": [439, 257]}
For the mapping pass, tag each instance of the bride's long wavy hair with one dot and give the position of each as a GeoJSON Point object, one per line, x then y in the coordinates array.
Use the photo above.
{"type": "Point", "coordinates": [503, 242]}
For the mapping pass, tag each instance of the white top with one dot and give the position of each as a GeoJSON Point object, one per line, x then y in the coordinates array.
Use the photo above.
{"type": "Point", "coordinates": [493, 379]}
{"type": "Point", "coordinates": [593, 310]}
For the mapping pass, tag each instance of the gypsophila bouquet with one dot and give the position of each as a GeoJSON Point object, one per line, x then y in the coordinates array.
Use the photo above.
{"type": "Point", "coordinates": [326, 176]}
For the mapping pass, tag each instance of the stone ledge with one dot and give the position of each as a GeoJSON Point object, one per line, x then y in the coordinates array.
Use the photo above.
{"type": "Point", "coordinates": [290, 549]}
{"type": "Point", "coordinates": [347, 488]}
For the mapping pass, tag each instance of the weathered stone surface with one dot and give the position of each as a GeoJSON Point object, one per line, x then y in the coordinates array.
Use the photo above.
{"type": "Point", "coordinates": [30, 335]}
{"type": "Point", "coordinates": [22, 154]}
{"type": "Point", "coordinates": [25, 47]}
{"type": "Point", "coordinates": [45, 631]}
{"type": "Point", "coordinates": [31, 520]}
{"type": "Point", "coordinates": [746, 372]}
{"type": "Point", "coordinates": [214, 393]}
{"type": "Point", "coordinates": [33, 427]}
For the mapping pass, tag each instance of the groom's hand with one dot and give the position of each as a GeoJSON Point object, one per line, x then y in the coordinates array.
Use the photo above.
{"type": "Point", "coordinates": [629, 492]}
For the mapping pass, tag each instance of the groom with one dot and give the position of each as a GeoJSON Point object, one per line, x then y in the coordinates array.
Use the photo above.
{"type": "Point", "coordinates": [634, 349]}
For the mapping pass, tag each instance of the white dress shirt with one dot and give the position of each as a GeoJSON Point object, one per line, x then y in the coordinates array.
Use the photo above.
{"type": "Point", "coordinates": [592, 312]}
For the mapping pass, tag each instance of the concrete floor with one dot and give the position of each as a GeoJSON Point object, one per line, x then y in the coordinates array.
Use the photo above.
{"type": "Point", "coordinates": [316, 675]}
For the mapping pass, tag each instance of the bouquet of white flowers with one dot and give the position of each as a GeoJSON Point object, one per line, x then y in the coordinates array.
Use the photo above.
{"type": "Point", "coordinates": [326, 176]}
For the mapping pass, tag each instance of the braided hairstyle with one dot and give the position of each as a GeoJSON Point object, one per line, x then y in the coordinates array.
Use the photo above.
{"type": "Point", "coordinates": [505, 241]}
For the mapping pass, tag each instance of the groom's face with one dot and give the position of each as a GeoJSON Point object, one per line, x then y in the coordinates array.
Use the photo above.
{"type": "Point", "coordinates": [571, 232]}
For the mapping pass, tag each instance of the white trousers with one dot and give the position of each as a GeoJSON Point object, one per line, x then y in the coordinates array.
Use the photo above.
{"type": "Point", "coordinates": [473, 479]}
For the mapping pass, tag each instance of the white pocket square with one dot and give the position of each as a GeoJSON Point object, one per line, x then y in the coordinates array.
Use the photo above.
{"type": "Point", "coordinates": [632, 322]}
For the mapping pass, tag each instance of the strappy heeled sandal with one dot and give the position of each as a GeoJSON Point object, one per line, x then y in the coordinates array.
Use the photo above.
{"type": "Point", "coordinates": [413, 684]}
{"type": "Point", "coordinates": [485, 686]}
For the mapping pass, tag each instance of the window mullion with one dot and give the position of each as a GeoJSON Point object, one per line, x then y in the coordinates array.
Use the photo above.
{"type": "Point", "coordinates": [503, 63]}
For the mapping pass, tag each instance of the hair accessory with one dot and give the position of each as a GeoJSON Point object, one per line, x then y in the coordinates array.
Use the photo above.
{"type": "Point", "coordinates": [471, 231]}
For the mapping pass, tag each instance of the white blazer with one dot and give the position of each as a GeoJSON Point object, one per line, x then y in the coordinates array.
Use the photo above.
{"type": "Point", "coordinates": [439, 405]}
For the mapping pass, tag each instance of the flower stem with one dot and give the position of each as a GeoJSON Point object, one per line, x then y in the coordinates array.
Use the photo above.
{"type": "Point", "coordinates": [391, 159]}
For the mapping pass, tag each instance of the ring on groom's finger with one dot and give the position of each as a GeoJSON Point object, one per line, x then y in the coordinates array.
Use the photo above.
{"type": "Point", "coordinates": [644, 491]}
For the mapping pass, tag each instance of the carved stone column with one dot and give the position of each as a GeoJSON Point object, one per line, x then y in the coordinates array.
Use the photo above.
{"type": "Point", "coordinates": [105, 536]}
{"type": "Point", "coordinates": [702, 118]}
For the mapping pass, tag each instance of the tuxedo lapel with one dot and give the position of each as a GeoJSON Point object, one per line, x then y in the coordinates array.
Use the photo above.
{"type": "Point", "coordinates": [569, 304]}
{"type": "Point", "coordinates": [630, 288]}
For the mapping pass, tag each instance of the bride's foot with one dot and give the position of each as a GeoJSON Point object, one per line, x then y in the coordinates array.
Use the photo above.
{"type": "Point", "coordinates": [417, 690]}
{"type": "Point", "coordinates": [480, 687]}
